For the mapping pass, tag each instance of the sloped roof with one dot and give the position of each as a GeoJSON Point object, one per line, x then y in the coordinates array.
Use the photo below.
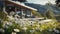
{"type": "Point", "coordinates": [19, 4]}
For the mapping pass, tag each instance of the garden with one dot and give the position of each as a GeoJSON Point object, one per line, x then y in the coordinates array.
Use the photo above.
{"type": "Point", "coordinates": [9, 25]}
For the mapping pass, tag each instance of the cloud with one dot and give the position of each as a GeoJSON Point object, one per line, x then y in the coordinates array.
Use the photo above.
{"type": "Point", "coordinates": [41, 1]}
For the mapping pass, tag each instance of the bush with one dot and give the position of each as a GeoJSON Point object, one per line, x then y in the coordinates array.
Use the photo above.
{"type": "Point", "coordinates": [3, 16]}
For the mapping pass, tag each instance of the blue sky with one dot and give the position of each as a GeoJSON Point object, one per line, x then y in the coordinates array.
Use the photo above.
{"type": "Point", "coordinates": [41, 1]}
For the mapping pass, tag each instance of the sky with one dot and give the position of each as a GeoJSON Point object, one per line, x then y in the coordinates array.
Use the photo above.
{"type": "Point", "coordinates": [41, 1]}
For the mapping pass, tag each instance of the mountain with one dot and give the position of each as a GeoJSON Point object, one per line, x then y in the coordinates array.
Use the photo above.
{"type": "Point", "coordinates": [42, 9]}
{"type": "Point", "coordinates": [21, 0]}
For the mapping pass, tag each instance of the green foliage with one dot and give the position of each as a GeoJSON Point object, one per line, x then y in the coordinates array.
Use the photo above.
{"type": "Point", "coordinates": [50, 15]}
{"type": "Point", "coordinates": [11, 28]}
{"type": "Point", "coordinates": [36, 28]}
{"type": "Point", "coordinates": [57, 3]}
{"type": "Point", "coordinates": [3, 16]}
{"type": "Point", "coordinates": [1, 24]}
{"type": "Point", "coordinates": [36, 13]}
{"type": "Point", "coordinates": [50, 12]}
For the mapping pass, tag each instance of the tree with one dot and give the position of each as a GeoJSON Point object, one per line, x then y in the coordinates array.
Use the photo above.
{"type": "Point", "coordinates": [58, 3]}
{"type": "Point", "coordinates": [49, 13]}
{"type": "Point", "coordinates": [36, 13]}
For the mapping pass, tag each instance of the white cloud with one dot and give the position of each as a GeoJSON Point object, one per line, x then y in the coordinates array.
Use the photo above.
{"type": "Point", "coordinates": [41, 1]}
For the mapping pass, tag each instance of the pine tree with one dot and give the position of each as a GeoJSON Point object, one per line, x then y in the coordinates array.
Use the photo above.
{"type": "Point", "coordinates": [36, 13]}
{"type": "Point", "coordinates": [49, 13]}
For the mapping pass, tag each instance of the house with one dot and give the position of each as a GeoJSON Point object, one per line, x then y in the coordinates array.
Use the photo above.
{"type": "Point", "coordinates": [18, 7]}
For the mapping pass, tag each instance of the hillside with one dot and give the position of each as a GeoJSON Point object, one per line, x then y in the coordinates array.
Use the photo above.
{"type": "Point", "coordinates": [42, 9]}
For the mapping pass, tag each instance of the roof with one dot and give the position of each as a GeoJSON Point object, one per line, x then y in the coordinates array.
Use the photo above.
{"type": "Point", "coordinates": [19, 4]}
